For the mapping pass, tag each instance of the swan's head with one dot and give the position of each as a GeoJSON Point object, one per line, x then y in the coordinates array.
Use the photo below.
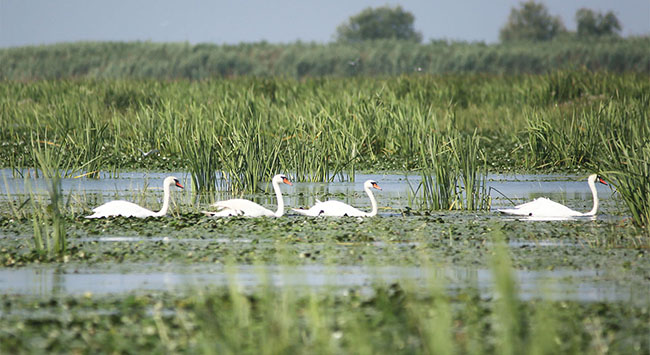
{"type": "Point", "coordinates": [595, 178]}
{"type": "Point", "coordinates": [170, 180]}
{"type": "Point", "coordinates": [280, 178]}
{"type": "Point", "coordinates": [371, 184]}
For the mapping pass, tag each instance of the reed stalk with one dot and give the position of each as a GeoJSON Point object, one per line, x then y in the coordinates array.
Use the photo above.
{"type": "Point", "coordinates": [454, 174]}
{"type": "Point", "coordinates": [625, 157]}
{"type": "Point", "coordinates": [50, 234]}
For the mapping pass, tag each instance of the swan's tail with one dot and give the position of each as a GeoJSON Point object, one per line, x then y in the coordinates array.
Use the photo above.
{"type": "Point", "coordinates": [515, 212]}
{"type": "Point", "coordinates": [303, 212]}
{"type": "Point", "coordinates": [223, 213]}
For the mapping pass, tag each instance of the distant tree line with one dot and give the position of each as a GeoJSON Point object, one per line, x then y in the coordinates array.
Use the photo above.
{"type": "Point", "coordinates": [380, 23]}
{"type": "Point", "coordinates": [532, 22]}
{"type": "Point", "coordinates": [377, 41]}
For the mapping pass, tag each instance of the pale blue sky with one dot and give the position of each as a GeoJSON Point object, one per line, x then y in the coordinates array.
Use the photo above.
{"type": "Point", "coordinates": [33, 22]}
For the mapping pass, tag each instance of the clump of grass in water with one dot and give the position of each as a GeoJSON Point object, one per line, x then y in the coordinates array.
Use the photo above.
{"type": "Point", "coordinates": [472, 172]}
{"type": "Point", "coordinates": [438, 180]}
{"type": "Point", "coordinates": [49, 225]}
{"type": "Point", "coordinates": [454, 173]}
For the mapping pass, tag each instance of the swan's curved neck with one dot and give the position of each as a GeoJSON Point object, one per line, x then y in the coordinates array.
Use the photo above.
{"type": "Point", "coordinates": [165, 206]}
{"type": "Point", "coordinates": [373, 202]}
{"type": "Point", "coordinates": [594, 193]}
{"type": "Point", "coordinates": [278, 195]}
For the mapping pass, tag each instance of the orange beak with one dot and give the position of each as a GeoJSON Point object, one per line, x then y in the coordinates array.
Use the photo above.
{"type": "Point", "coordinates": [179, 185]}
{"type": "Point", "coordinates": [600, 180]}
{"type": "Point", "coordinates": [376, 186]}
{"type": "Point", "coordinates": [286, 181]}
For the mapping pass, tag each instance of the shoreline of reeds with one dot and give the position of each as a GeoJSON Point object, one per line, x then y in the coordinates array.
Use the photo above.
{"type": "Point", "coordinates": [165, 61]}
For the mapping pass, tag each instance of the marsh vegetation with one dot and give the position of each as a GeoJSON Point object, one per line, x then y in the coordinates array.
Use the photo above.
{"type": "Point", "coordinates": [445, 140]}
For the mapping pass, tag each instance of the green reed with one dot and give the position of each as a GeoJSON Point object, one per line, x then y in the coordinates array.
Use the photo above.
{"type": "Point", "coordinates": [508, 330]}
{"type": "Point", "coordinates": [50, 236]}
{"type": "Point", "coordinates": [315, 129]}
{"type": "Point", "coordinates": [472, 171]}
{"type": "Point", "coordinates": [610, 138]}
{"type": "Point", "coordinates": [200, 151]}
{"type": "Point", "coordinates": [454, 173]}
{"type": "Point", "coordinates": [101, 60]}
{"type": "Point", "coordinates": [625, 157]}
{"type": "Point", "coordinates": [249, 157]}
{"type": "Point", "coordinates": [438, 175]}
{"type": "Point", "coordinates": [564, 142]}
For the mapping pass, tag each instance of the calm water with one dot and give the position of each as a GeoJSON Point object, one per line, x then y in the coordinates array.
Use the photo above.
{"type": "Point", "coordinates": [582, 285]}
{"type": "Point", "coordinates": [397, 190]}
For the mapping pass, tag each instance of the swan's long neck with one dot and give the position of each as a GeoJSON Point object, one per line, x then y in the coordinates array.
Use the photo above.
{"type": "Point", "coordinates": [165, 206]}
{"type": "Point", "coordinates": [594, 193]}
{"type": "Point", "coordinates": [278, 195]}
{"type": "Point", "coordinates": [373, 202]}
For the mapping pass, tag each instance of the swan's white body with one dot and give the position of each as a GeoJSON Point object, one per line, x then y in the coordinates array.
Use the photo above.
{"type": "Point", "coordinates": [130, 209]}
{"type": "Point", "coordinates": [246, 208]}
{"type": "Point", "coordinates": [339, 209]}
{"type": "Point", "coordinates": [543, 207]}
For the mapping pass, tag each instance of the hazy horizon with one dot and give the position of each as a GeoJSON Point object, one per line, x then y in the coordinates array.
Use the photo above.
{"type": "Point", "coordinates": [37, 22]}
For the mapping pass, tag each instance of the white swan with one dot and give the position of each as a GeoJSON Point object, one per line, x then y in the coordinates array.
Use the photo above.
{"type": "Point", "coordinates": [130, 209]}
{"type": "Point", "coordinates": [246, 208]}
{"type": "Point", "coordinates": [543, 207]}
{"type": "Point", "coordinates": [339, 209]}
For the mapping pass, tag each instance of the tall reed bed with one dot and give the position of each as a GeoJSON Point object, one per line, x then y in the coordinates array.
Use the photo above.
{"type": "Point", "coordinates": [248, 129]}
{"type": "Point", "coordinates": [299, 60]}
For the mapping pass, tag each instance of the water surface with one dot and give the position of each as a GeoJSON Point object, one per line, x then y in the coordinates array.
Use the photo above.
{"type": "Point", "coordinates": [581, 285]}
{"type": "Point", "coordinates": [398, 190]}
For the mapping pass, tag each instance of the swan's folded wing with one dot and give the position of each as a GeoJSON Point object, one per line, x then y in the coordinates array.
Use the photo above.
{"type": "Point", "coordinates": [305, 212]}
{"type": "Point", "coordinates": [242, 207]}
{"type": "Point", "coordinates": [541, 207]}
{"type": "Point", "coordinates": [120, 208]}
{"type": "Point", "coordinates": [223, 213]}
{"type": "Point", "coordinates": [335, 208]}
